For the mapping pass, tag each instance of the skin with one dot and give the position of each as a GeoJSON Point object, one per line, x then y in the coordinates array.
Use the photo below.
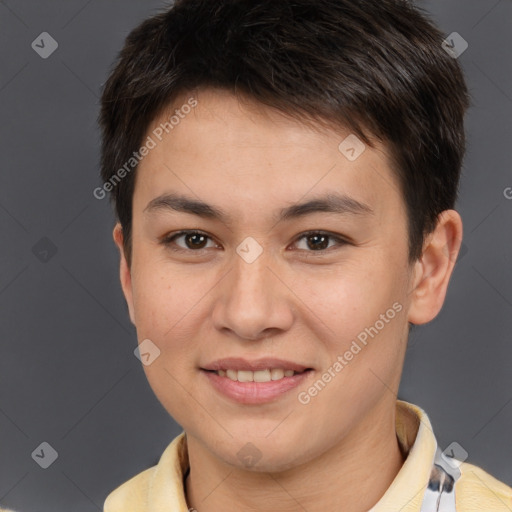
{"type": "Point", "coordinates": [201, 305]}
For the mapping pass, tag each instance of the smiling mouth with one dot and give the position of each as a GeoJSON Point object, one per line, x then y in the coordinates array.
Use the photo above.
{"type": "Point", "coordinates": [268, 375]}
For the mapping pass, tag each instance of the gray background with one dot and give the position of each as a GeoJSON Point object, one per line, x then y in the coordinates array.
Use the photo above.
{"type": "Point", "coordinates": [68, 375]}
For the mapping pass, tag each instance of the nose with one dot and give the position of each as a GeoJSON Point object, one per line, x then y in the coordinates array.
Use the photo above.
{"type": "Point", "coordinates": [253, 301]}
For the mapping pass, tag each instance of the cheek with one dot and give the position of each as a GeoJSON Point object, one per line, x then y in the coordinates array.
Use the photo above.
{"type": "Point", "coordinates": [348, 298]}
{"type": "Point", "coordinates": [162, 297]}
{"type": "Point", "coordinates": [164, 304]}
{"type": "Point", "coordinates": [362, 319]}
{"type": "Point", "coordinates": [170, 310]}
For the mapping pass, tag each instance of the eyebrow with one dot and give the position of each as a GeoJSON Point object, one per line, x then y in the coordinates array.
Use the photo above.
{"type": "Point", "coordinates": [331, 203]}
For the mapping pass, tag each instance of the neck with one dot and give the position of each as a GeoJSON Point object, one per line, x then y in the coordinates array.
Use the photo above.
{"type": "Point", "coordinates": [356, 472]}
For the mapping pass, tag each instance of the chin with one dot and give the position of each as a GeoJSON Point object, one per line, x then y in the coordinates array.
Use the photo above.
{"type": "Point", "coordinates": [261, 454]}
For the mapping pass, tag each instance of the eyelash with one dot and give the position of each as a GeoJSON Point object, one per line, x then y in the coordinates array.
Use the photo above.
{"type": "Point", "coordinates": [168, 241]}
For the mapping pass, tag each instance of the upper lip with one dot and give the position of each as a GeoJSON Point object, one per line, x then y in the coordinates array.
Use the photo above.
{"type": "Point", "coordinates": [238, 363]}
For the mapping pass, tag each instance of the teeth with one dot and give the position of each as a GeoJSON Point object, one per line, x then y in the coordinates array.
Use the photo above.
{"type": "Point", "coordinates": [245, 376]}
{"type": "Point", "coordinates": [257, 376]}
{"type": "Point", "coordinates": [277, 373]}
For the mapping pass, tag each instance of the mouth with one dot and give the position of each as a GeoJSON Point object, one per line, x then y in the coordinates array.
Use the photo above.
{"type": "Point", "coordinates": [255, 382]}
{"type": "Point", "coordinates": [266, 375]}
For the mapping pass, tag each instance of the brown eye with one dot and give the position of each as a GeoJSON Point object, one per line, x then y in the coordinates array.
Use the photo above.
{"type": "Point", "coordinates": [317, 241]}
{"type": "Point", "coordinates": [195, 240]}
{"type": "Point", "coordinates": [192, 240]}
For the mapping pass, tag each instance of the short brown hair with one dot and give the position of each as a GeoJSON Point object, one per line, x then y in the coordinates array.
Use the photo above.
{"type": "Point", "coordinates": [376, 67]}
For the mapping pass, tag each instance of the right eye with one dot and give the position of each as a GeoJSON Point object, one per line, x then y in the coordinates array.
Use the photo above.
{"type": "Point", "coordinates": [194, 241]}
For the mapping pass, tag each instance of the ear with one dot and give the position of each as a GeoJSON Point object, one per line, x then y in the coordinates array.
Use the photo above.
{"type": "Point", "coordinates": [124, 271]}
{"type": "Point", "coordinates": [433, 270]}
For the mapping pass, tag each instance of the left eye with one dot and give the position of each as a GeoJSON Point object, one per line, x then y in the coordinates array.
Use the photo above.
{"type": "Point", "coordinates": [316, 241]}
{"type": "Point", "coordinates": [319, 241]}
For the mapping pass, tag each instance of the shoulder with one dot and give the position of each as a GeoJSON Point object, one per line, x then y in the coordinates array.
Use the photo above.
{"type": "Point", "coordinates": [131, 495]}
{"type": "Point", "coordinates": [478, 490]}
{"type": "Point", "coordinates": [162, 483]}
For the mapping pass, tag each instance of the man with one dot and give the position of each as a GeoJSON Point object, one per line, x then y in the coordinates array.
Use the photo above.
{"type": "Point", "coordinates": [284, 176]}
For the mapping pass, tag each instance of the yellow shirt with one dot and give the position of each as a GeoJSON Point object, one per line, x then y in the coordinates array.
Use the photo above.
{"type": "Point", "coordinates": [160, 488]}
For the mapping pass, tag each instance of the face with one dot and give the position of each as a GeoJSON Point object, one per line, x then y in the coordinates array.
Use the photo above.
{"type": "Point", "coordinates": [265, 276]}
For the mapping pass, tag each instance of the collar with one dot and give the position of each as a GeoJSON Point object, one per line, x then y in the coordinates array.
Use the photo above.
{"type": "Point", "coordinates": [417, 440]}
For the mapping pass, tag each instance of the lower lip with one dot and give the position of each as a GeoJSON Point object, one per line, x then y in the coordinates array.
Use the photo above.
{"type": "Point", "coordinates": [255, 392]}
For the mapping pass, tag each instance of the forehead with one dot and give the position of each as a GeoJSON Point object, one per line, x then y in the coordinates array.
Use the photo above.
{"type": "Point", "coordinates": [225, 146]}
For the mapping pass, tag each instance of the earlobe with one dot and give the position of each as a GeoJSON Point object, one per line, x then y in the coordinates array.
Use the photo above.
{"type": "Point", "coordinates": [124, 271]}
{"type": "Point", "coordinates": [433, 270]}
